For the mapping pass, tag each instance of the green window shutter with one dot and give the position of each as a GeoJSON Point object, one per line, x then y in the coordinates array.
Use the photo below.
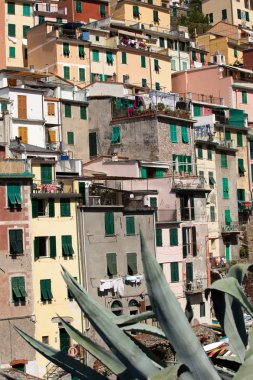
{"type": "Point", "coordinates": [173, 133]}
{"type": "Point", "coordinates": [227, 135]}
{"type": "Point", "coordinates": [109, 223]}
{"type": "Point", "coordinates": [48, 288]}
{"type": "Point", "coordinates": [174, 272]}
{"type": "Point", "coordinates": [41, 19]}
{"type": "Point", "coordinates": [224, 161]}
{"type": "Point", "coordinates": [209, 154]}
{"type": "Point", "coordinates": [11, 30]}
{"type": "Point", "coordinates": [21, 286]}
{"type": "Point", "coordinates": [161, 42]}
{"type": "Point", "coordinates": [102, 10]}
{"type": "Point", "coordinates": [95, 55]}
{"type": "Point", "coordinates": [111, 259]}
{"type": "Point", "coordinates": [82, 189]}
{"type": "Point", "coordinates": [66, 72]}
{"type": "Point", "coordinates": [71, 296]}
{"type": "Point", "coordinates": [16, 295]}
{"type": "Point", "coordinates": [194, 242]}
{"type": "Point", "coordinates": [51, 208]}
{"type": "Point", "coordinates": [173, 237]}
{"type": "Point", "coordinates": [83, 112]}
{"type": "Point", "coordinates": [184, 135]}
{"type": "Point", "coordinates": [239, 13]}
{"type": "Point", "coordinates": [81, 74]}
{"type": "Point", "coordinates": [202, 57]}
{"type": "Point", "coordinates": [36, 247]}
{"type": "Point", "coordinates": [196, 110]}
{"type": "Point", "coordinates": [67, 110]}
{"type": "Point", "coordinates": [228, 219]}
{"type": "Point", "coordinates": [181, 163]}
{"type": "Point", "coordinates": [78, 6]}
{"type": "Point", "coordinates": [124, 58]}
{"type": "Point", "coordinates": [159, 237]}
{"type": "Point", "coordinates": [52, 242]}
{"type": "Point", "coordinates": [132, 263]}
{"type": "Point", "coordinates": [211, 178]}
{"type": "Point", "coordinates": [236, 117]}
{"type": "Point", "coordinates": [11, 8]}
{"type": "Point", "coordinates": [194, 56]}
{"type": "Point", "coordinates": [34, 208]}
{"type": "Point", "coordinates": [143, 61]}
{"type": "Point", "coordinates": [12, 52]}
{"type": "Point", "coordinates": [247, 16]}
{"type": "Point", "coordinates": [192, 208]}
{"type": "Point", "coordinates": [26, 10]}
{"type": "Point", "coordinates": [189, 166]}
{"type": "Point", "coordinates": [16, 241]}
{"type": "Point", "coordinates": [212, 214]}
{"type": "Point", "coordinates": [239, 139]}
{"type": "Point", "coordinates": [65, 207]}
{"type": "Point", "coordinates": [65, 49]}
{"type": "Point", "coordinates": [200, 152]}
{"type": "Point", "coordinates": [81, 52]}
{"type": "Point", "coordinates": [241, 168]}
{"type": "Point", "coordinates": [130, 225]}
{"type": "Point", "coordinates": [45, 290]}
{"type": "Point", "coordinates": [184, 240]}
{"type": "Point", "coordinates": [4, 106]}
{"type": "Point", "coordinates": [224, 14]}
{"type": "Point", "coordinates": [251, 167]}
{"type": "Point", "coordinates": [93, 143]}
{"type": "Point", "coordinates": [159, 173]}
{"type": "Point", "coordinates": [46, 173]}
{"type": "Point", "coordinates": [225, 188]}
{"type": "Point", "coordinates": [14, 195]}
{"type": "Point", "coordinates": [202, 309]}
{"type": "Point", "coordinates": [144, 82]}
{"type": "Point", "coordinates": [116, 135]}
{"type": "Point", "coordinates": [244, 97]}
{"type": "Point", "coordinates": [59, 20]}
{"type": "Point", "coordinates": [157, 86]}
{"type": "Point", "coordinates": [136, 12]}
{"type": "Point", "coordinates": [241, 195]}
{"type": "Point", "coordinates": [156, 65]}
{"type": "Point", "coordinates": [235, 52]}
{"type": "Point", "coordinates": [144, 173]}
{"type": "Point", "coordinates": [155, 16]}
{"type": "Point", "coordinates": [67, 248]}
{"type": "Point", "coordinates": [70, 138]}
{"type": "Point", "coordinates": [109, 57]}
{"type": "Point", "coordinates": [25, 30]}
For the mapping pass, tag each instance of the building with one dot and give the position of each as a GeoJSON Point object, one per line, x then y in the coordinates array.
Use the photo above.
{"type": "Point", "coordinates": [17, 293]}
{"type": "Point", "coordinates": [87, 11]}
{"type": "Point", "coordinates": [48, 10]}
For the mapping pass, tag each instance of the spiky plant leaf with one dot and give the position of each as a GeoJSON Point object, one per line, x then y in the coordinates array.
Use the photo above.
{"type": "Point", "coordinates": [188, 311]}
{"type": "Point", "coordinates": [7, 376]}
{"type": "Point", "coordinates": [249, 351]}
{"type": "Point", "coordinates": [62, 360]}
{"type": "Point", "coordinates": [173, 320]}
{"type": "Point", "coordinates": [168, 373]}
{"type": "Point", "coordinates": [230, 362]}
{"type": "Point", "coordinates": [245, 371]}
{"type": "Point", "coordinates": [147, 329]}
{"type": "Point", "coordinates": [137, 363]}
{"type": "Point", "coordinates": [124, 320]}
{"type": "Point", "coordinates": [184, 373]}
{"type": "Point", "coordinates": [238, 271]}
{"type": "Point", "coordinates": [100, 353]}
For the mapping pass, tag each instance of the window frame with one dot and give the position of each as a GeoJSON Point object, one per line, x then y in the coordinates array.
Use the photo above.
{"type": "Point", "coordinates": [21, 250]}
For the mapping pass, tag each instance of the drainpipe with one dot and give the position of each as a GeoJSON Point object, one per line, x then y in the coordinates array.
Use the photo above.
{"type": "Point", "coordinates": [208, 261]}
{"type": "Point", "coordinates": [232, 15]}
{"type": "Point", "coordinates": [150, 72]}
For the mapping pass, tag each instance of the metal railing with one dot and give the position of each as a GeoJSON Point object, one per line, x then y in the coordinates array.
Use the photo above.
{"type": "Point", "coordinates": [230, 227]}
{"type": "Point", "coordinates": [52, 187]}
{"type": "Point", "coordinates": [195, 286]}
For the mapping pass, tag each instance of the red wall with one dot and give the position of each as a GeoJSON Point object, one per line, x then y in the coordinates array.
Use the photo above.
{"type": "Point", "coordinates": [90, 10]}
{"type": "Point", "coordinates": [248, 59]}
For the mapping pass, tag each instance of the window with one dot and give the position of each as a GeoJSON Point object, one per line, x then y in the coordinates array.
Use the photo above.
{"type": "Point", "coordinates": [174, 273]}
{"type": "Point", "coordinates": [194, 56]}
{"type": "Point", "coordinates": [11, 8]}
{"type": "Point", "coordinates": [136, 12]}
{"type": "Point", "coordinates": [11, 30]}
{"type": "Point", "coordinates": [25, 30]}
{"type": "Point", "coordinates": [50, 109]}
{"type": "Point", "coordinates": [235, 52]}
{"type": "Point", "coordinates": [109, 57]}
{"type": "Point", "coordinates": [111, 259]}
{"type": "Point", "coordinates": [12, 52]}
{"type": "Point", "coordinates": [241, 168]}
{"type": "Point", "coordinates": [117, 308]}
{"type": "Point", "coordinates": [173, 65]}
{"type": "Point", "coordinates": [227, 135]}
{"type": "Point", "coordinates": [209, 154]}
{"type": "Point", "coordinates": [81, 52]}
{"type": "Point", "coordinates": [124, 58]}
{"type": "Point", "coordinates": [67, 110]}
{"type": "Point", "coordinates": [161, 42]}
{"type": "Point", "coordinates": [212, 214]}
{"type": "Point", "coordinates": [202, 309]}
{"type": "Point", "coordinates": [66, 72]}
{"type": "Point", "coordinates": [102, 10]}
{"type": "Point", "coordinates": [239, 13]}
{"type": "Point", "coordinates": [23, 134]}
{"type": "Point", "coordinates": [44, 246]}
{"type": "Point", "coordinates": [97, 38]}
{"type": "Point", "coordinates": [182, 163]}
{"type": "Point", "coordinates": [185, 66]}
{"type": "Point", "coordinates": [143, 61]}
{"type": "Point", "coordinates": [130, 225]}
{"type": "Point", "coordinates": [52, 136]}
{"type": "Point", "coordinates": [173, 237]}
{"type": "Point", "coordinates": [65, 207]}
{"type": "Point", "coordinates": [247, 15]}
{"type": "Point", "coordinates": [202, 57]}
{"type": "Point", "coordinates": [16, 241]}
{"type": "Point", "coordinates": [228, 219]}
{"type": "Point", "coordinates": [59, 20]}
{"type": "Point", "coordinates": [244, 97]}
{"type": "Point", "coordinates": [159, 237]}
{"type": "Point", "coordinates": [210, 18]}
{"type": "Point", "coordinates": [239, 139]}
{"type": "Point", "coordinates": [211, 179]}
{"type": "Point", "coordinates": [46, 173]}
{"type": "Point", "coordinates": [70, 294]}
{"type": "Point", "coordinates": [43, 207]}
{"type": "Point", "coordinates": [3, 106]}
{"type": "Point", "coordinates": [18, 289]}
{"type": "Point", "coordinates": [22, 107]}
{"type": "Point", "coordinates": [189, 241]}
{"type": "Point", "coordinates": [65, 49]}
{"type": "Point", "coordinates": [93, 144]}
{"type": "Point", "coordinates": [241, 195]}
{"type": "Point", "coordinates": [66, 243]}
{"type": "Point", "coordinates": [156, 66]}
{"type": "Point", "coordinates": [95, 55]}
{"type": "Point", "coordinates": [78, 6]}
{"type": "Point", "coordinates": [224, 161]}
{"type": "Point", "coordinates": [173, 133]}
{"type": "Point", "coordinates": [157, 86]}
{"type": "Point", "coordinates": [109, 223]}
{"type": "Point", "coordinates": [196, 111]}
{"type": "Point", "coordinates": [224, 14]}
{"type": "Point", "coordinates": [155, 16]}
{"type": "Point", "coordinates": [200, 152]}
{"type": "Point", "coordinates": [194, 241]}
{"type": "Point", "coordinates": [225, 188]}
{"type": "Point", "coordinates": [184, 134]}
{"type": "Point", "coordinates": [45, 290]}
{"type": "Point", "coordinates": [116, 135]}
{"type": "Point", "coordinates": [41, 19]}
{"type": "Point", "coordinates": [14, 199]}
{"type": "Point", "coordinates": [132, 263]}
{"type": "Point", "coordinates": [26, 10]}
{"type": "Point", "coordinates": [144, 82]}
{"type": "Point", "coordinates": [83, 112]}
{"type": "Point", "coordinates": [45, 339]}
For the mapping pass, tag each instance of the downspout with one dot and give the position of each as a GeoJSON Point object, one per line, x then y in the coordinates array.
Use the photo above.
{"type": "Point", "coordinates": [208, 261]}
{"type": "Point", "coordinates": [150, 72]}
{"type": "Point", "coordinates": [232, 15]}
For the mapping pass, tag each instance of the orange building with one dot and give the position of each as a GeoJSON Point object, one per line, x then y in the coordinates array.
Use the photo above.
{"type": "Point", "coordinates": [87, 10]}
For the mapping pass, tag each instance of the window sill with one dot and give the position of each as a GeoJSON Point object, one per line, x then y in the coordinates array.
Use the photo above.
{"type": "Point", "coordinates": [13, 255]}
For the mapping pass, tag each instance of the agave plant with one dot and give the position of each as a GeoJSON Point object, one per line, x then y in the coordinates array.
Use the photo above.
{"type": "Point", "coordinates": [129, 360]}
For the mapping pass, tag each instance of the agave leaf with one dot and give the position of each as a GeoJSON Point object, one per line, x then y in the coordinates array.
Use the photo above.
{"type": "Point", "coordinates": [238, 271]}
{"type": "Point", "coordinates": [168, 373]}
{"type": "Point", "coordinates": [62, 360]}
{"type": "Point", "coordinates": [249, 351]}
{"type": "Point", "coordinates": [100, 353]}
{"type": "Point", "coordinates": [230, 362]}
{"type": "Point", "coordinates": [7, 376]}
{"type": "Point", "coordinates": [184, 373]}
{"type": "Point", "coordinates": [173, 320]}
{"type": "Point", "coordinates": [124, 320]}
{"type": "Point", "coordinates": [147, 329]}
{"type": "Point", "coordinates": [188, 311]}
{"type": "Point", "coordinates": [245, 371]}
{"type": "Point", "coordinates": [138, 364]}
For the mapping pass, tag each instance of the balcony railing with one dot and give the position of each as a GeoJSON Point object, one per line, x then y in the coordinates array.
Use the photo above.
{"type": "Point", "coordinates": [53, 187]}
{"type": "Point", "coordinates": [168, 215]}
{"type": "Point", "coordinates": [188, 183]}
{"type": "Point", "coordinates": [195, 286]}
{"type": "Point", "coordinates": [232, 227]}
{"type": "Point", "coordinates": [12, 166]}
{"type": "Point", "coordinates": [226, 143]}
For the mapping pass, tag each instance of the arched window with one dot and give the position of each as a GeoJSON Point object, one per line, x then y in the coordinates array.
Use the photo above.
{"type": "Point", "coordinates": [134, 307]}
{"type": "Point", "coordinates": [117, 307]}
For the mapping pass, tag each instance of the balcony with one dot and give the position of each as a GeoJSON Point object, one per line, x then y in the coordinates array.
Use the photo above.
{"type": "Point", "coordinates": [188, 184]}
{"type": "Point", "coordinates": [228, 144]}
{"type": "Point", "coordinates": [230, 228]}
{"type": "Point", "coordinates": [15, 168]}
{"type": "Point", "coordinates": [193, 287]}
{"type": "Point", "coordinates": [166, 216]}
{"type": "Point", "coordinates": [54, 189]}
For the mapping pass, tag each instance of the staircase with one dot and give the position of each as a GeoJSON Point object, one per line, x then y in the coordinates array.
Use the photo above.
{"type": "Point", "coordinates": [54, 372]}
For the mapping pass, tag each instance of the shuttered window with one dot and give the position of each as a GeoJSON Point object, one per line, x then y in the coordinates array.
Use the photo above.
{"type": "Point", "coordinates": [239, 139]}
{"type": "Point", "coordinates": [111, 259]}
{"type": "Point", "coordinates": [51, 208]}
{"type": "Point", "coordinates": [93, 143]}
{"type": "Point", "coordinates": [11, 8]}
{"type": "Point", "coordinates": [124, 58]}
{"type": "Point", "coordinates": [51, 137]}
{"type": "Point", "coordinates": [109, 223]}
{"type": "Point", "coordinates": [224, 14]}
{"type": "Point", "coordinates": [132, 263]}
{"type": "Point", "coordinates": [143, 61]}
{"type": "Point", "coordinates": [46, 173]}
{"type": "Point", "coordinates": [18, 288]}
{"type": "Point", "coordinates": [174, 272]}
{"type": "Point", "coordinates": [95, 55]}
{"type": "Point", "coordinates": [102, 10]}
{"type": "Point", "coordinates": [70, 138]}
{"type": "Point", "coordinates": [22, 107]}
{"type": "Point", "coordinates": [239, 13]}
{"type": "Point", "coordinates": [26, 10]}
{"type": "Point", "coordinates": [11, 30]}
{"type": "Point", "coordinates": [241, 195]}
{"type": "Point", "coordinates": [200, 152]}
{"type": "Point", "coordinates": [241, 168]}
{"type": "Point", "coordinates": [156, 65]}
{"type": "Point", "coordinates": [155, 16]}
{"type": "Point", "coordinates": [51, 109]}
{"type": "Point", "coordinates": [81, 52]}
{"type": "Point", "coordinates": [196, 111]}
{"type": "Point", "coordinates": [45, 290]}
{"type": "Point", "coordinates": [212, 214]}
{"type": "Point", "coordinates": [35, 208]}
{"type": "Point", "coordinates": [25, 30]}
{"type": "Point", "coordinates": [144, 173]}
{"type": "Point", "coordinates": [14, 199]}
{"type": "Point", "coordinates": [116, 135]}
{"type": "Point", "coordinates": [16, 241]}
{"type": "Point", "coordinates": [52, 246]}
{"type": "Point", "coordinates": [81, 74]}
{"type": "Point", "coordinates": [65, 49]}
{"type": "Point", "coordinates": [66, 72]}
{"type": "Point", "coordinates": [227, 135]}
{"type": "Point", "coordinates": [173, 133]}
{"type": "Point", "coordinates": [228, 218]}
{"type": "Point", "coordinates": [184, 241]}
{"type": "Point", "coordinates": [194, 242]}
{"type": "Point", "coordinates": [130, 225]}
{"type": "Point", "coordinates": [12, 52]}
{"type": "Point", "coordinates": [83, 112]}
{"type": "Point", "coordinates": [173, 237]}
{"type": "Point", "coordinates": [65, 207]}
{"type": "Point", "coordinates": [136, 12]}
{"type": "Point", "coordinates": [224, 161]}
{"type": "Point", "coordinates": [244, 97]}
{"type": "Point", "coordinates": [184, 135]}
{"type": "Point", "coordinates": [159, 237]}
{"type": "Point", "coordinates": [78, 6]}
{"type": "Point", "coordinates": [225, 188]}
{"type": "Point", "coordinates": [67, 110]}
{"type": "Point", "coordinates": [23, 134]}
{"type": "Point", "coordinates": [209, 154]}
{"type": "Point", "coordinates": [67, 248]}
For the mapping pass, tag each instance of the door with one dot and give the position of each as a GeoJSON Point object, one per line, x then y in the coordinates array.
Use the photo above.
{"type": "Point", "coordinates": [93, 143]}
{"type": "Point", "coordinates": [227, 251]}
{"type": "Point", "coordinates": [64, 340]}
{"type": "Point", "coordinates": [46, 173]}
{"type": "Point", "coordinates": [189, 273]}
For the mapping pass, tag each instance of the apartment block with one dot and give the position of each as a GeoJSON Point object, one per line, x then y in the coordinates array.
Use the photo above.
{"type": "Point", "coordinates": [87, 11]}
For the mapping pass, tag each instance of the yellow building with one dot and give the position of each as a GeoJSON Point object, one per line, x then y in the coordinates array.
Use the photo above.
{"type": "Point", "coordinates": [54, 244]}
{"type": "Point", "coordinates": [236, 12]}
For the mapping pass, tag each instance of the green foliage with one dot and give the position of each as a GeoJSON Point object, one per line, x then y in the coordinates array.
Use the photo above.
{"type": "Point", "coordinates": [195, 20]}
